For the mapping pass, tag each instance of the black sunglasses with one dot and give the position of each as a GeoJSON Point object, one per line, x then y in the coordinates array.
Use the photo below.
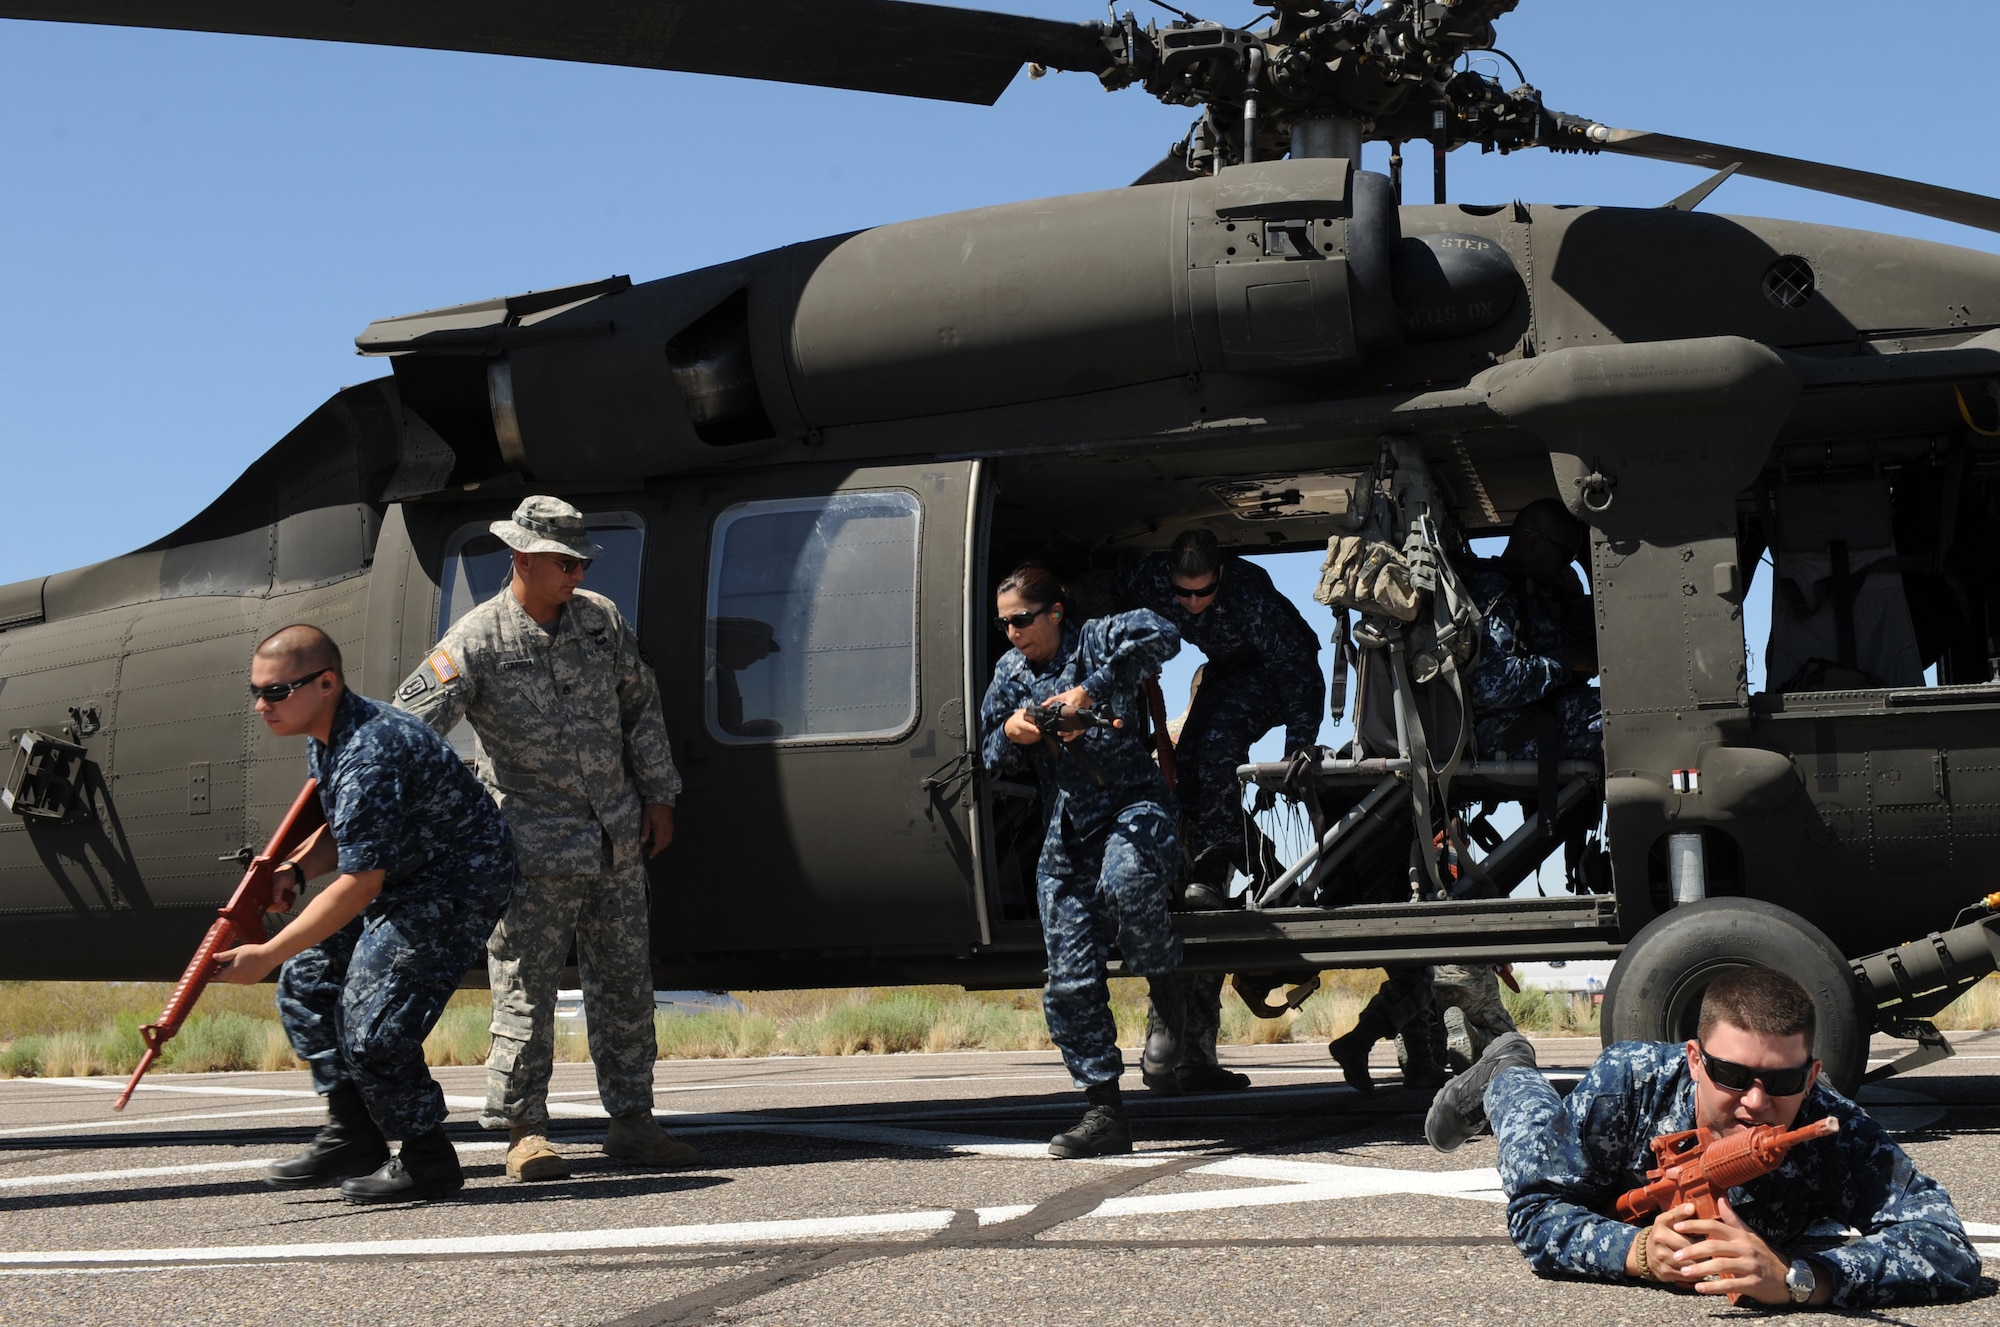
{"type": "Point", "coordinates": [1197, 591]}
{"type": "Point", "coordinates": [569, 566]}
{"type": "Point", "coordinates": [278, 691]}
{"type": "Point", "coordinates": [1020, 621]}
{"type": "Point", "coordinates": [1734, 1077]}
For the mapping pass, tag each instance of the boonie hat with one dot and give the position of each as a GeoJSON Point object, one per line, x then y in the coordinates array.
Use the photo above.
{"type": "Point", "coordinates": [547, 525]}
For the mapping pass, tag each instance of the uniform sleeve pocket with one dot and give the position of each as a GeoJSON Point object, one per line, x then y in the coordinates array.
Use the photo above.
{"type": "Point", "coordinates": [511, 780]}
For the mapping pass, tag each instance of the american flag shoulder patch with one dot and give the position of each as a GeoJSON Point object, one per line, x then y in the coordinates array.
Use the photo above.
{"type": "Point", "coordinates": [441, 664]}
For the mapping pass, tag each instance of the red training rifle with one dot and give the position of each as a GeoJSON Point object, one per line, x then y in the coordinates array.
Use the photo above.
{"type": "Point", "coordinates": [1697, 1167]}
{"type": "Point", "coordinates": [239, 921]}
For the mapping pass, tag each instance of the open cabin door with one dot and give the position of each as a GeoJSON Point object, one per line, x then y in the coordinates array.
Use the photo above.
{"type": "Point", "coordinates": [810, 630]}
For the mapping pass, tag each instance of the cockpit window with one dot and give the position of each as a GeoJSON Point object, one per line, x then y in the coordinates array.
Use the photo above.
{"type": "Point", "coordinates": [812, 618]}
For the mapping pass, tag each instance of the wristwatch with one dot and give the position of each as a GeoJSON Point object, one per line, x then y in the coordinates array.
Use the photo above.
{"type": "Point", "coordinates": [1800, 1281]}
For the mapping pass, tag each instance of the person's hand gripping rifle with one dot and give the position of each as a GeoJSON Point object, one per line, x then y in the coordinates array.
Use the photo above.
{"type": "Point", "coordinates": [1066, 719]}
{"type": "Point", "coordinates": [1698, 1169]}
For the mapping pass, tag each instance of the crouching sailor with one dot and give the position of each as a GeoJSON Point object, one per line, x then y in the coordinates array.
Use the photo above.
{"type": "Point", "coordinates": [425, 866]}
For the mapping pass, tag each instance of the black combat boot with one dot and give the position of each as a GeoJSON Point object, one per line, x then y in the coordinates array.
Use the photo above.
{"type": "Point", "coordinates": [1166, 1035]}
{"type": "Point", "coordinates": [1421, 1070]}
{"type": "Point", "coordinates": [1198, 1070]}
{"type": "Point", "coordinates": [426, 1167]}
{"type": "Point", "coordinates": [1103, 1131]}
{"type": "Point", "coordinates": [1208, 882]}
{"type": "Point", "coordinates": [1459, 1110]}
{"type": "Point", "coordinates": [1350, 1050]}
{"type": "Point", "coordinates": [349, 1145]}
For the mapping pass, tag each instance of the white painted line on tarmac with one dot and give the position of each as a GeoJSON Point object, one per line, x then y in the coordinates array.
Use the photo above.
{"type": "Point", "coordinates": [1482, 1182]}
{"type": "Point", "coordinates": [187, 1089]}
{"type": "Point", "coordinates": [1356, 1181]}
{"type": "Point", "coordinates": [489, 1246]}
{"type": "Point", "coordinates": [143, 1173]}
{"type": "Point", "coordinates": [957, 1143]}
{"type": "Point", "coordinates": [1982, 1228]}
{"type": "Point", "coordinates": [107, 1271]}
{"type": "Point", "coordinates": [1275, 1195]}
{"type": "Point", "coordinates": [993, 1216]}
{"type": "Point", "coordinates": [165, 1172]}
{"type": "Point", "coordinates": [140, 1121]}
{"type": "Point", "coordinates": [572, 1109]}
{"type": "Point", "coordinates": [815, 1084]}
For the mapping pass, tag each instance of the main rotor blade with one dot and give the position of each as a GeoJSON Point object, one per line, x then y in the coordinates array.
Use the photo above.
{"type": "Point", "coordinates": [1907, 195]}
{"type": "Point", "coordinates": [1170, 169]}
{"type": "Point", "coordinates": [916, 50]}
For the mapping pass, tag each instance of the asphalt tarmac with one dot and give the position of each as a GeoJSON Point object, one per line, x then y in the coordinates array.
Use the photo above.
{"type": "Point", "coordinates": [892, 1189]}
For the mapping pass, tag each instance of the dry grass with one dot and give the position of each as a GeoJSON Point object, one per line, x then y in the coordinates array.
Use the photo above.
{"type": "Point", "coordinates": [1975, 1011]}
{"type": "Point", "coordinates": [1557, 1013]}
{"type": "Point", "coordinates": [56, 1029]}
{"type": "Point", "coordinates": [45, 1008]}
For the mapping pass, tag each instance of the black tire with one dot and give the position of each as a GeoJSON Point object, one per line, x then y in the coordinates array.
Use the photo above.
{"type": "Point", "coordinates": [1655, 990]}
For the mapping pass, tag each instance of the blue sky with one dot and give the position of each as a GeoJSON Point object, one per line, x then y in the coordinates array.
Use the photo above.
{"type": "Point", "coordinates": [193, 228]}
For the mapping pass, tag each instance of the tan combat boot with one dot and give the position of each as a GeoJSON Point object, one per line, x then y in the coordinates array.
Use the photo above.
{"type": "Point", "coordinates": [639, 1138]}
{"type": "Point", "coordinates": [529, 1156]}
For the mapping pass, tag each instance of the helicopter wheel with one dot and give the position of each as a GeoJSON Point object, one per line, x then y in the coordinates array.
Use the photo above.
{"type": "Point", "coordinates": [1655, 990]}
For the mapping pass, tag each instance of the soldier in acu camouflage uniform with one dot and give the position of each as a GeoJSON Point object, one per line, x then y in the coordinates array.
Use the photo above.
{"type": "Point", "coordinates": [1262, 671]}
{"type": "Point", "coordinates": [1110, 854]}
{"type": "Point", "coordinates": [426, 865]}
{"type": "Point", "coordinates": [1564, 1161]}
{"type": "Point", "coordinates": [575, 750]}
{"type": "Point", "coordinates": [1470, 1010]}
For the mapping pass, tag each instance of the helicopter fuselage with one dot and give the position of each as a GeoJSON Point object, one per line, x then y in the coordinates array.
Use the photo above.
{"type": "Point", "coordinates": [1084, 377]}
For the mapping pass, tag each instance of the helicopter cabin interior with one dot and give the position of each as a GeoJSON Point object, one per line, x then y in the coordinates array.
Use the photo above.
{"type": "Point", "coordinates": [1864, 573]}
{"type": "Point", "coordinates": [821, 610]}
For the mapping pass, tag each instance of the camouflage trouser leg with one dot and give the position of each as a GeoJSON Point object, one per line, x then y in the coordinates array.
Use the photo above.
{"type": "Point", "coordinates": [1229, 713]}
{"type": "Point", "coordinates": [1473, 990]}
{"type": "Point", "coordinates": [358, 1005]}
{"type": "Point", "coordinates": [1403, 997]}
{"type": "Point", "coordinates": [1539, 1143]}
{"type": "Point", "coordinates": [606, 913]}
{"type": "Point", "coordinates": [1111, 889]}
{"type": "Point", "coordinates": [1402, 1006]}
{"type": "Point", "coordinates": [1202, 993]}
{"type": "Point", "coordinates": [309, 987]}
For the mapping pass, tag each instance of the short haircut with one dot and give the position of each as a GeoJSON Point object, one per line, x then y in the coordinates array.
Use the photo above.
{"type": "Point", "coordinates": [1758, 1000]}
{"type": "Point", "coordinates": [1034, 582]}
{"type": "Point", "coordinates": [1194, 553]}
{"type": "Point", "coordinates": [304, 646]}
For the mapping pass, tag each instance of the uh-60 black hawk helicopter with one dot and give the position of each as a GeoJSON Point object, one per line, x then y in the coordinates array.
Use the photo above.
{"type": "Point", "coordinates": [809, 465]}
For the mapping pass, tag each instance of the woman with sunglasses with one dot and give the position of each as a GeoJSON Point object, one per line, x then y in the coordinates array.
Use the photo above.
{"type": "Point", "coordinates": [1564, 1161]}
{"type": "Point", "coordinates": [1110, 854]}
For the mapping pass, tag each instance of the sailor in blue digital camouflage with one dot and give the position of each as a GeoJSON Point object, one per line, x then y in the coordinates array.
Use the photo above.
{"type": "Point", "coordinates": [1565, 1161]}
{"type": "Point", "coordinates": [574, 747]}
{"type": "Point", "coordinates": [1262, 672]}
{"type": "Point", "coordinates": [1538, 643]}
{"type": "Point", "coordinates": [1110, 852]}
{"type": "Point", "coordinates": [425, 865]}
